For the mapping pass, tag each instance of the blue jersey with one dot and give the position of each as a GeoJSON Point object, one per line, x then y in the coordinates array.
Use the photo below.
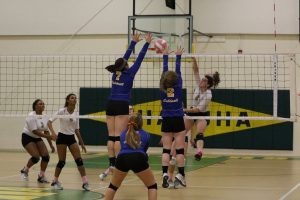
{"type": "Point", "coordinates": [172, 100]}
{"type": "Point", "coordinates": [122, 81]}
{"type": "Point", "coordinates": [145, 137]}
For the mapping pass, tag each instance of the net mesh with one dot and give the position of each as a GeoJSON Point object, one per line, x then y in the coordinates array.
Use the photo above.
{"type": "Point", "coordinates": [51, 78]}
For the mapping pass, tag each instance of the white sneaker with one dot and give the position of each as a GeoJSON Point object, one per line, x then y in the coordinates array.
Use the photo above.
{"type": "Point", "coordinates": [179, 181]}
{"type": "Point", "coordinates": [24, 175]}
{"type": "Point", "coordinates": [86, 186]}
{"type": "Point", "coordinates": [42, 179]}
{"type": "Point", "coordinates": [165, 183]}
{"type": "Point", "coordinates": [171, 184]}
{"type": "Point", "coordinates": [102, 176]}
{"type": "Point", "coordinates": [56, 185]}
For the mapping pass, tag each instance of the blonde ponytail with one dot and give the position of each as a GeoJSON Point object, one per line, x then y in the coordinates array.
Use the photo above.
{"type": "Point", "coordinates": [133, 138]}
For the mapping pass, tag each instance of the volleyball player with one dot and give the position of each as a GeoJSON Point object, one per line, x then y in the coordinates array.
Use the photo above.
{"type": "Point", "coordinates": [35, 128]}
{"type": "Point", "coordinates": [201, 99]}
{"type": "Point", "coordinates": [103, 175]}
{"type": "Point", "coordinates": [133, 156]}
{"type": "Point", "coordinates": [118, 102]}
{"type": "Point", "coordinates": [172, 118]}
{"type": "Point", "coordinates": [65, 138]}
{"type": "Point", "coordinates": [172, 162]}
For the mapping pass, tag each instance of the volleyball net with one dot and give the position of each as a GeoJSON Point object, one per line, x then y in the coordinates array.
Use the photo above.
{"type": "Point", "coordinates": [257, 87]}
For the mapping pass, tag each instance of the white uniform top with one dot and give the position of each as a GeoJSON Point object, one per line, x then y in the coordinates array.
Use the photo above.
{"type": "Point", "coordinates": [67, 125]}
{"type": "Point", "coordinates": [35, 122]}
{"type": "Point", "coordinates": [201, 100]}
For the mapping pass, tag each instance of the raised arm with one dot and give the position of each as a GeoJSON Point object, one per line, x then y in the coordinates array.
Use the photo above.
{"type": "Point", "coordinates": [178, 53]}
{"type": "Point", "coordinates": [135, 39]}
{"type": "Point", "coordinates": [196, 70]}
{"type": "Point", "coordinates": [166, 53]}
{"type": "Point", "coordinates": [142, 54]}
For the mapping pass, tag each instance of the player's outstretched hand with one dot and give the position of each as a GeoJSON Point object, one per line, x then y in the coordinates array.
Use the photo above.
{"type": "Point", "coordinates": [136, 37]}
{"type": "Point", "coordinates": [179, 50]}
{"type": "Point", "coordinates": [149, 37]}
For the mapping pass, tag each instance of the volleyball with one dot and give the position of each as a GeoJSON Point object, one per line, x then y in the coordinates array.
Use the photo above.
{"type": "Point", "coordinates": [160, 45]}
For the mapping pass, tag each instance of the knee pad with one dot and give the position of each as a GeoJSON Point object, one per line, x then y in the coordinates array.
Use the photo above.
{"type": "Point", "coordinates": [117, 138]}
{"type": "Point", "coordinates": [199, 136]}
{"type": "Point", "coordinates": [45, 158]}
{"type": "Point", "coordinates": [61, 164]}
{"type": "Point", "coordinates": [35, 159]}
{"type": "Point", "coordinates": [79, 162]}
{"type": "Point", "coordinates": [111, 186]}
{"type": "Point", "coordinates": [180, 151]}
{"type": "Point", "coordinates": [154, 186]}
{"type": "Point", "coordinates": [168, 151]}
{"type": "Point", "coordinates": [111, 138]}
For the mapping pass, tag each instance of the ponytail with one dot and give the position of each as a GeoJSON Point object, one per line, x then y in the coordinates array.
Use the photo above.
{"type": "Point", "coordinates": [133, 138]}
{"type": "Point", "coordinates": [213, 80]}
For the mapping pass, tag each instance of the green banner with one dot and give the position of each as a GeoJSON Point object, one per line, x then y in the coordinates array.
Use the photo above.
{"type": "Point", "coordinates": [237, 134]}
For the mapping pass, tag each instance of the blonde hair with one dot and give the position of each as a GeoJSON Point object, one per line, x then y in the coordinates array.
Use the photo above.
{"type": "Point", "coordinates": [133, 139]}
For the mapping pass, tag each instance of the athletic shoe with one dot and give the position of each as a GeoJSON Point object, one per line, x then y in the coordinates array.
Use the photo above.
{"type": "Point", "coordinates": [171, 184]}
{"type": "Point", "coordinates": [198, 156]}
{"type": "Point", "coordinates": [165, 183]}
{"type": "Point", "coordinates": [42, 179]}
{"type": "Point", "coordinates": [24, 174]}
{"type": "Point", "coordinates": [102, 176]}
{"type": "Point", "coordinates": [56, 185]}
{"type": "Point", "coordinates": [179, 181]}
{"type": "Point", "coordinates": [86, 186]}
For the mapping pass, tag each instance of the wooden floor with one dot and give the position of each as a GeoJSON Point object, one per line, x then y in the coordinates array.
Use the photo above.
{"type": "Point", "coordinates": [213, 178]}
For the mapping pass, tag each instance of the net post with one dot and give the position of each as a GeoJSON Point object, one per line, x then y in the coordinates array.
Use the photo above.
{"type": "Point", "coordinates": [275, 85]}
{"type": "Point", "coordinates": [293, 89]}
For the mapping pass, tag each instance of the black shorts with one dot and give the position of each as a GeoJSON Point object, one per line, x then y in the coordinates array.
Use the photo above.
{"type": "Point", "coordinates": [199, 114]}
{"type": "Point", "coordinates": [26, 139]}
{"type": "Point", "coordinates": [172, 124]}
{"type": "Point", "coordinates": [137, 162]}
{"type": "Point", "coordinates": [65, 139]}
{"type": "Point", "coordinates": [114, 108]}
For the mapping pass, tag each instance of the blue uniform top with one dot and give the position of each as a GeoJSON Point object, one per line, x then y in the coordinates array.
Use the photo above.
{"type": "Point", "coordinates": [122, 80]}
{"type": "Point", "coordinates": [145, 137]}
{"type": "Point", "coordinates": [172, 100]}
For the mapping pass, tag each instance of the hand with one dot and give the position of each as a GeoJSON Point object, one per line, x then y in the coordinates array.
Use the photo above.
{"type": "Point", "coordinates": [179, 51]}
{"type": "Point", "coordinates": [166, 51]}
{"type": "Point", "coordinates": [52, 149]}
{"type": "Point", "coordinates": [53, 137]}
{"type": "Point", "coordinates": [83, 148]}
{"type": "Point", "coordinates": [148, 38]}
{"type": "Point", "coordinates": [136, 37]}
{"type": "Point", "coordinates": [194, 59]}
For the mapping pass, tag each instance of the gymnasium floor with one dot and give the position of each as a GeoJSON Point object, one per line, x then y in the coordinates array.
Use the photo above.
{"type": "Point", "coordinates": [215, 177]}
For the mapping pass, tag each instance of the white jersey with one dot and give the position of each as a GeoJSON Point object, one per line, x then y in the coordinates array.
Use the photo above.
{"type": "Point", "coordinates": [35, 122]}
{"type": "Point", "coordinates": [67, 125]}
{"type": "Point", "coordinates": [201, 100]}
